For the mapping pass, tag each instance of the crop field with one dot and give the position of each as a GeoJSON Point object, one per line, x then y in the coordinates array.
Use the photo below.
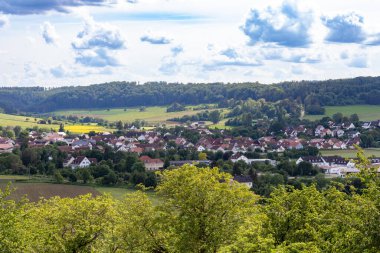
{"type": "Point", "coordinates": [365, 112]}
{"type": "Point", "coordinates": [35, 191]}
{"type": "Point", "coordinates": [352, 153]}
{"type": "Point", "coordinates": [29, 122]}
{"type": "Point", "coordinates": [154, 114]}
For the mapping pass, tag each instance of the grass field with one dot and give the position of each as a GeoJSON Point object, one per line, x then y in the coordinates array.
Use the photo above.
{"type": "Point", "coordinates": [365, 112]}
{"type": "Point", "coordinates": [153, 115]}
{"type": "Point", "coordinates": [29, 122]}
{"type": "Point", "coordinates": [13, 177]}
{"type": "Point", "coordinates": [351, 153]}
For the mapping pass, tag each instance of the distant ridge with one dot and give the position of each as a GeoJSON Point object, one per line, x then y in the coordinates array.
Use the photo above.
{"type": "Point", "coordinates": [359, 90]}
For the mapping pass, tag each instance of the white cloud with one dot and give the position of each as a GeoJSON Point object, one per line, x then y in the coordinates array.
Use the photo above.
{"type": "Point", "coordinates": [88, 52]}
{"type": "Point", "coordinates": [4, 20]}
{"type": "Point", "coordinates": [96, 44]}
{"type": "Point", "coordinates": [49, 33]}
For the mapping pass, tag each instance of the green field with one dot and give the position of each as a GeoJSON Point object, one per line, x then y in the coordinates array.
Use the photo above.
{"type": "Point", "coordinates": [13, 177]}
{"type": "Point", "coordinates": [365, 112]}
{"type": "Point", "coordinates": [351, 153]}
{"type": "Point", "coordinates": [29, 122]}
{"type": "Point", "coordinates": [153, 115]}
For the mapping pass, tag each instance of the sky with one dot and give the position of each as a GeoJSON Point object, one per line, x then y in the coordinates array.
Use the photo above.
{"type": "Point", "coordinates": [80, 42]}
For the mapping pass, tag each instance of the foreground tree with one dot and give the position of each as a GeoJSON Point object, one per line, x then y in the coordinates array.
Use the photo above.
{"type": "Point", "coordinates": [203, 209]}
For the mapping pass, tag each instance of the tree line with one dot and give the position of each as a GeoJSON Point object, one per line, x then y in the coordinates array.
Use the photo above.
{"type": "Point", "coordinates": [313, 94]}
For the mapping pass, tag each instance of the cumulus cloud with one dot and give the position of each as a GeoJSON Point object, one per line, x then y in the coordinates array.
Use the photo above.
{"type": "Point", "coordinates": [176, 50]}
{"type": "Point", "coordinates": [230, 57]}
{"type": "Point", "coordinates": [373, 40]}
{"type": "Point", "coordinates": [230, 53]}
{"type": "Point", "coordinates": [286, 26]}
{"type": "Point", "coordinates": [305, 55]}
{"type": "Point", "coordinates": [26, 7]}
{"type": "Point", "coordinates": [49, 33]}
{"type": "Point", "coordinates": [65, 71]}
{"type": "Point", "coordinates": [96, 58]}
{"type": "Point", "coordinates": [156, 40]}
{"type": "Point", "coordinates": [169, 67]}
{"type": "Point", "coordinates": [359, 61]}
{"type": "Point", "coordinates": [3, 20]}
{"type": "Point", "coordinates": [346, 28]}
{"type": "Point", "coordinates": [99, 35]}
{"type": "Point", "coordinates": [96, 44]}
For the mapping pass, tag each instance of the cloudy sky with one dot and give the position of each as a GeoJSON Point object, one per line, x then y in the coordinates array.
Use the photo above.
{"type": "Point", "coordinates": [79, 42]}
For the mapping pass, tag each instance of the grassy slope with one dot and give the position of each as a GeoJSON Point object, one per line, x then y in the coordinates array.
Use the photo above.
{"type": "Point", "coordinates": [12, 120]}
{"type": "Point", "coordinates": [365, 112]}
{"type": "Point", "coordinates": [153, 114]}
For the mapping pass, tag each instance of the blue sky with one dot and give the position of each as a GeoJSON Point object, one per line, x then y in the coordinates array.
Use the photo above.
{"type": "Point", "coordinates": [80, 42]}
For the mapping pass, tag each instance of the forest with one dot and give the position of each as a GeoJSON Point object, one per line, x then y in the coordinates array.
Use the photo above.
{"type": "Point", "coordinates": [312, 94]}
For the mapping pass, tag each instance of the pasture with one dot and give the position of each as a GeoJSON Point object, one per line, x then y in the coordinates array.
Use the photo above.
{"type": "Point", "coordinates": [365, 112]}
{"type": "Point", "coordinates": [154, 114]}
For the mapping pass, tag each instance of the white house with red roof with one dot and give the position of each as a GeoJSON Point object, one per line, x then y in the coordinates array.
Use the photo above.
{"type": "Point", "coordinates": [152, 164]}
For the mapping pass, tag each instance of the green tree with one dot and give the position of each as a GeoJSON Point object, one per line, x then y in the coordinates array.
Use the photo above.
{"type": "Point", "coordinates": [61, 128]}
{"type": "Point", "coordinates": [58, 178]}
{"type": "Point", "coordinates": [205, 219]}
{"type": "Point", "coordinates": [215, 116]}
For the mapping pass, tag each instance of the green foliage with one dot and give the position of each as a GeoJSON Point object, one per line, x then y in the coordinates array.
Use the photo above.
{"type": "Point", "coordinates": [201, 210]}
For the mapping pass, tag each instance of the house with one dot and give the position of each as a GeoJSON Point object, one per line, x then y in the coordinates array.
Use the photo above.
{"type": "Point", "coordinates": [239, 157]}
{"type": "Point", "coordinates": [79, 162]}
{"type": "Point", "coordinates": [318, 130]}
{"type": "Point", "coordinates": [338, 133]}
{"type": "Point", "coordinates": [6, 148]}
{"type": "Point", "coordinates": [152, 164]}
{"type": "Point", "coordinates": [247, 180]}
{"type": "Point", "coordinates": [200, 148]}
{"type": "Point", "coordinates": [371, 124]}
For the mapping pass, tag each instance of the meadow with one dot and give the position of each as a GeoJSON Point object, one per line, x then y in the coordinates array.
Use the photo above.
{"type": "Point", "coordinates": [30, 122]}
{"type": "Point", "coordinates": [365, 112]}
{"type": "Point", "coordinates": [152, 115]}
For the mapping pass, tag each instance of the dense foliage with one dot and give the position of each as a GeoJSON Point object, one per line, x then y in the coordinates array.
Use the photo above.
{"type": "Point", "coordinates": [313, 94]}
{"type": "Point", "coordinates": [200, 210]}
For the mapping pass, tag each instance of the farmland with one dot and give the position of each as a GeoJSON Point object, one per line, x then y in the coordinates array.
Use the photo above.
{"type": "Point", "coordinates": [153, 115]}
{"type": "Point", "coordinates": [365, 112]}
{"type": "Point", "coordinates": [35, 191]}
{"type": "Point", "coordinates": [30, 122]}
{"type": "Point", "coordinates": [23, 186]}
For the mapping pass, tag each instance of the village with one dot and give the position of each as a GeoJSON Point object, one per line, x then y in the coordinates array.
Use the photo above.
{"type": "Point", "coordinates": [269, 148]}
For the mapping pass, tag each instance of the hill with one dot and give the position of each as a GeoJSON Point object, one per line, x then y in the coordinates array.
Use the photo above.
{"type": "Point", "coordinates": [360, 90]}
